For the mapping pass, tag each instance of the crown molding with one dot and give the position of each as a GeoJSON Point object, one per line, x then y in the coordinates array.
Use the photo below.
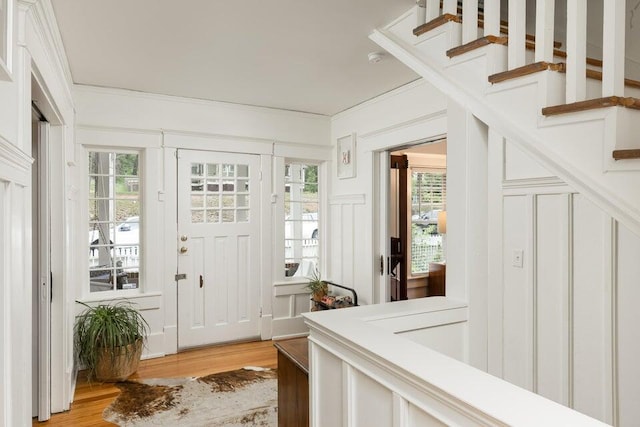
{"type": "Point", "coordinates": [46, 30]}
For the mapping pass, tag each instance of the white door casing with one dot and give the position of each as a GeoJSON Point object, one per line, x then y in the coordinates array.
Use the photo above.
{"type": "Point", "coordinates": [218, 247]}
{"type": "Point", "coordinates": [42, 273]}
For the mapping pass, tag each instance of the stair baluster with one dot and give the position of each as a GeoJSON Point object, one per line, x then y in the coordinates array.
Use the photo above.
{"type": "Point", "coordinates": [576, 51]}
{"type": "Point", "coordinates": [613, 51]}
{"type": "Point", "coordinates": [469, 21]}
{"type": "Point", "coordinates": [450, 6]}
{"type": "Point", "coordinates": [517, 33]}
{"type": "Point", "coordinates": [421, 12]}
{"type": "Point", "coordinates": [433, 9]}
{"type": "Point", "coordinates": [545, 10]}
{"type": "Point", "coordinates": [492, 18]}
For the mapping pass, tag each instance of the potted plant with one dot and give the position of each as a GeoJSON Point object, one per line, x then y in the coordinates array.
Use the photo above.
{"type": "Point", "coordinates": [109, 340]}
{"type": "Point", "coordinates": [317, 286]}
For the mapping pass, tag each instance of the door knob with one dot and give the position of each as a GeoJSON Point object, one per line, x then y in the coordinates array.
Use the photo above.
{"type": "Point", "coordinates": [183, 250]}
{"type": "Point", "coordinates": [183, 238]}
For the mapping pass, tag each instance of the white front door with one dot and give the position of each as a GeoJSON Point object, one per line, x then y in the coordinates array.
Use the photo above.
{"type": "Point", "coordinates": [218, 247]}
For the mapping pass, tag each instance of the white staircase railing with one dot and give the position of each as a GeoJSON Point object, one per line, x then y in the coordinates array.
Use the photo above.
{"type": "Point", "coordinates": [613, 41]}
{"type": "Point", "coordinates": [526, 106]}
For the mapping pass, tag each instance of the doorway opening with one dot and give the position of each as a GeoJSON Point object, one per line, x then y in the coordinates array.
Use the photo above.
{"type": "Point", "coordinates": [41, 266]}
{"type": "Point", "coordinates": [417, 220]}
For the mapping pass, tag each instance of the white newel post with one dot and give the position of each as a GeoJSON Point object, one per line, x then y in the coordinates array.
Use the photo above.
{"type": "Point", "coordinates": [492, 17]}
{"type": "Point", "coordinates": [517, 33]}
{"type": "Point", "coordinates": [421, 12]}
{"type": "Point", "coordinates": [469, 20]}
{"type": "Point", "coordinates": [613, 51]}
{"type": "Point", "coordinates": [450, 6]}
{"type": "Point", "coordinates": [545, 10]}
{"type": "Point", "coordinates": [576, 50]}
{"type": "Point", "coordinates": [433, 9]}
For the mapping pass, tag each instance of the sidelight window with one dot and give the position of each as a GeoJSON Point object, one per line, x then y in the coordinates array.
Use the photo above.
{"type": "Point", "coordinates": [301, 225]}
{"type": "Point", "coordinates": [114, 220]}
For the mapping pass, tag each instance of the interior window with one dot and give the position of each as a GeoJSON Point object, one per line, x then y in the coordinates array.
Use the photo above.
{"type": "Point", "coordinates": [114, 221]}
{"type": "Point", "coordinates": [301, 226]}
{"type": "Point", "coordinates": [428, 197]}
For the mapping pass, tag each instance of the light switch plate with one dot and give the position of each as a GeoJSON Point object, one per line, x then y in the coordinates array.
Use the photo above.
{"type": "Point", "coordinates": [517, 260]}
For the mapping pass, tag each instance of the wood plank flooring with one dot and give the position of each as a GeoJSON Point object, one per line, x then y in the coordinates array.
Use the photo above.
{"type": "Point", "coordinates": [91, 399]}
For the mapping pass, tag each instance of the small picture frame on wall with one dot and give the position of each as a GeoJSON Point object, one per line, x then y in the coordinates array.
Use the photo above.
{"type": "Point", "coordinates": [346, 160]}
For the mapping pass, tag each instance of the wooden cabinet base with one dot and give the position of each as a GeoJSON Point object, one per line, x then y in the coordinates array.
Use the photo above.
{"type": "Point", "coordinates": [293, 382]}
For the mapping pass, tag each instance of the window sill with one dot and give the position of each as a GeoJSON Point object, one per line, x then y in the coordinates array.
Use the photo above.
{"type": "Point", "coordinates": [118, 295]}
{"type": "Point", "coordinates": [293, 281]}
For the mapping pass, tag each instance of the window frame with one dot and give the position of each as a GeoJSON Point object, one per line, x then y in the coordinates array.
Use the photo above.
{"type": "Point", "coordinates": [278, 271]}
{"type": "Point", "coordinates": [319, 215]}
{"type": "Point", "coordinates": [422, 169]}
{"type": "Point", "coordinates": [141, 199]}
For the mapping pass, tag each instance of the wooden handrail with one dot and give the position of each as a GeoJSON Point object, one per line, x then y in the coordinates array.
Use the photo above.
{"type": "Point", "coordinates": [627, 154]}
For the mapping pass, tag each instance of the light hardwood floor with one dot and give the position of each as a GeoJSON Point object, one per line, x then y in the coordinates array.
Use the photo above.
{"type": "Point", "coordinates": [91, 399]}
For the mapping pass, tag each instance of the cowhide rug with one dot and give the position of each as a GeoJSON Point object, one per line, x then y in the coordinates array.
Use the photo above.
{"type": "Point", "coordinates": [246, 397]}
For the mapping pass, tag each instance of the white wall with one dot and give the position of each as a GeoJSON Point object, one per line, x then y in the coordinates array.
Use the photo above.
{"type": "Point", "coordinates": [35, 55]}
{"type": "Point", "coordinates": [563, 321]}
{"type": "Point", "coordinates": [410, 114]}
{"type": "Point", "coordinates": [159, 125]}
{"type": "Point", "coordinates": [561, 325]}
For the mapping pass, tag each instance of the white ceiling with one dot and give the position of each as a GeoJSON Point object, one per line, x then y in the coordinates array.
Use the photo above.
{"type": "Point", "coordinates": [303, 55]}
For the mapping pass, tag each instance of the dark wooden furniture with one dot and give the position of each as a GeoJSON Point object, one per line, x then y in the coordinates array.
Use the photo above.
{"type": "Point", "coordinates": [437, 274]}
{"type": "Point", "coordinates": [293, 382]}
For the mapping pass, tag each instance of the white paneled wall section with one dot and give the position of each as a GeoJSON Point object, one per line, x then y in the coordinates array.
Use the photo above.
{"type": "Point", "coordinates": [347, 233]}
{"type": "Point", "coordinates": [569, 306]}
{"type": "Point", "coordinates": [15, 283]}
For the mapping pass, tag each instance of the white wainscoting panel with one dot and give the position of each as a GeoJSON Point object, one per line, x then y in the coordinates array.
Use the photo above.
{"type": "Point", "coordinates": [374, 410]}
{"type": "Point", "coordinates": [517, 295]}
{"type": "Point", "coordinates": [346, 244]}
{"type": "Point", "coordinates": [551, 297]}
{"type": "Point", "coordinates": [4, 304]}
{"type": "Point", "coordinates": [324, 367]}
{"type": "Point", "coordinates": [290, 300]}
{"type": "Point", "coordinates": [569, 317]}
{"type": "Point", "coordinates": [627, 350]}
{"type": "Point", "coordinates": [591, 310]}
{"type": "Point", "coordinates": [15, 285]}
{"type": "Point", "coordinates": [419, 418]}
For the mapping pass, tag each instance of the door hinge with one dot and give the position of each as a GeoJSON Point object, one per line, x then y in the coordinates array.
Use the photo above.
{"type": "Point", "coordinates": [260, 311]}
{"type": "Point", "coordinates": [260, 175]}
{"type": "Point", "coordinates": [180, 277]}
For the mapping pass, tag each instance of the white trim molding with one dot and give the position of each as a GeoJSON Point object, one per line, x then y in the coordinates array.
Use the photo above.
{"type": "Point", "coordinates": [16, 164]}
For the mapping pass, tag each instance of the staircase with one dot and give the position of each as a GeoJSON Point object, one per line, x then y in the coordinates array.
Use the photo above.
{"type": "Point", "coordinates": [575, 115]}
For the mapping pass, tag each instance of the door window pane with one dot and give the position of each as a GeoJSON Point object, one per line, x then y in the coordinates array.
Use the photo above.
{"type": "Point", "coordinates": [219, 190]}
